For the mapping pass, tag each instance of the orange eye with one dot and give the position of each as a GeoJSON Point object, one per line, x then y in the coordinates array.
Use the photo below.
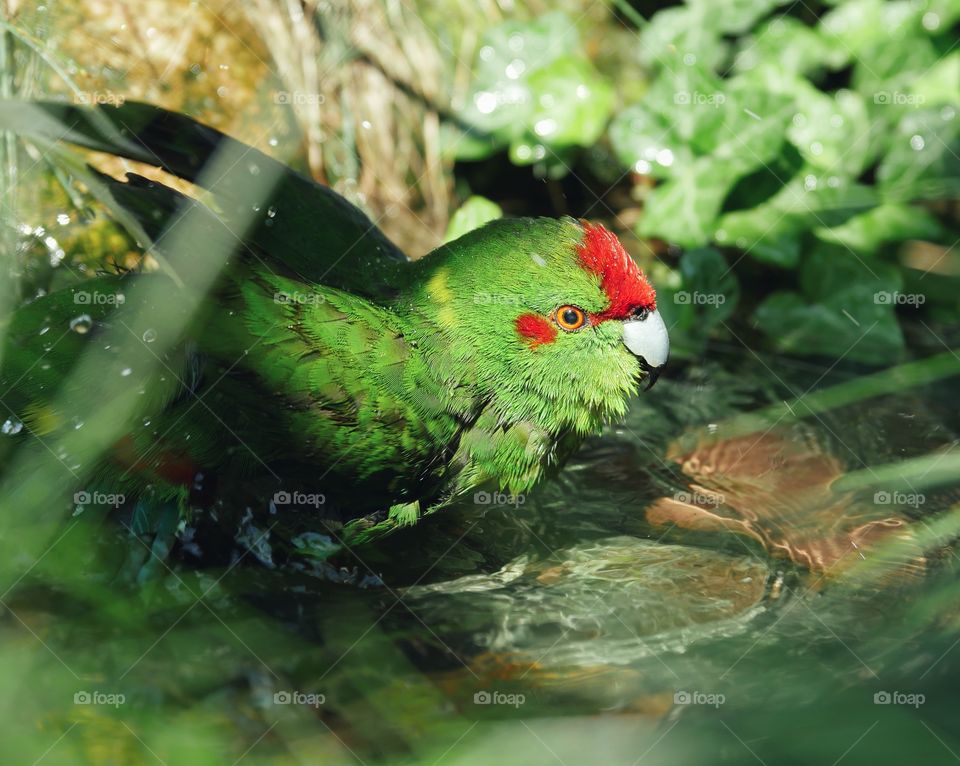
{"type": "Point", "coordinates": [570, 318]}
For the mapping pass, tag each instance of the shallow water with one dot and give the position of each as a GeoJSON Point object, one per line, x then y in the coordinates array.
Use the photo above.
{"type": "Point", "coordinates": [685, 583]}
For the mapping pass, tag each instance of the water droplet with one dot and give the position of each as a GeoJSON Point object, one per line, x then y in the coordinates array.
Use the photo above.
{"type": "Point", "coordinates": [149, 335]}
{"type": "Point", "coordinates": [273, 141]}
{"type": "Point", "coordinates": [516, 68]}
{"type": "Point", "coordinates": [271, 212]}
{"type": "Point", "coordinates": [545, 127]}
{"type": "Point", "coordinates": [63, 219]}
{"type": "Point", "coordinates": [485, 102]}
{"type": "Point", "coordinates": [81, 324]}
{"type": "Point", "coordinates": [931, 21]}
{"type": "Point", "coordinates": [689, 59]}
{"type": "Point", "coordinates": [11, 426]}
{"type": "Point", "coordinates": [917, 143]}
{"type": "Point", "coordinates": [254, 169]}
{"type": "Point", "coordinates": [44, 330]}
{"type": "Point", "coordinates": [810, 182]}
{"type": "Point", "coordinates": [126, 372]}
{"type": "Point", "coordinates": [146, 421]}
{"type": "Point", "coordinates": [366, 124]}
{"type": "Point", "coordinates": [816, 148]}
{"type": "Point", "coordinates": [665, 157]}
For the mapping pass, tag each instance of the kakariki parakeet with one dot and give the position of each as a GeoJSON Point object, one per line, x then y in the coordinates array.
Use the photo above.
{"type": "Point", "coordinates": [325, 375]}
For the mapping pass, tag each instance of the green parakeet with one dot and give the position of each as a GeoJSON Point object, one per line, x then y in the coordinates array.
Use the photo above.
{"type": "Point", "coordinates": [325, 375]}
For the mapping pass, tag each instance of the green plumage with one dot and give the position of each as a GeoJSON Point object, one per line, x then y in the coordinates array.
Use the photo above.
{"type": "Point", "coordinates": [335, 368]}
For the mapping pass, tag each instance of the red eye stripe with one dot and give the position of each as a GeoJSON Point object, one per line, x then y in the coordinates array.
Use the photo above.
{"type": "Point", "coordinates": [625, 285]}
{"type": "Point", "coordinates": [537, 329]}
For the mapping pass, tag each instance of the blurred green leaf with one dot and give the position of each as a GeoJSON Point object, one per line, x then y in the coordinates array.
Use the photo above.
{"type": "Point", "coordinates": [472, 214]}
{"type": "Point", "coordinates": [889, 222]}
{"type": "Point", "coordinates": [832, 132]}
{"type": "Point", "coordinates": [684, 33]}
{"type": "Point", "coordinates": [535, 92]}
{"type": "Point", "coordinates": [683, 209]}
{"type": "Point", "coordinates": [845, 310]}
{"type": "Point", "coordinates": [770, 231]}
{"type": "Point", "coordinates": [786, 44]}
{"type": "Point", "coordinates": [734, 16]}
{"type": "Point", "coordinates": [572, 106]}
{"type": "Point", "coordinates": [922, 161]}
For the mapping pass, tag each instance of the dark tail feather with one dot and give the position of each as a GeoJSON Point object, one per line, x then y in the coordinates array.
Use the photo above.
{"type": "Point", "coordinates": [304, 227]}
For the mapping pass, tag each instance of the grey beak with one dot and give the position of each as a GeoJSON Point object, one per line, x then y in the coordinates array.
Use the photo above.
{"type": "Point", "coordinates": [647, 339]}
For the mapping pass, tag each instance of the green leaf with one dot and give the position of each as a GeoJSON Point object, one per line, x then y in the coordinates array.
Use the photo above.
{"type": "Point", "coordinates": [832, 132]}
{"type": "Point", "coordinates": [734, 16]}
{"type": "Point", "coordinates": [711, 286]}
{"type": "Point", "coordinates": [890, 222]}
{"type": "Point", "coordinates": [845, 310]}
{"type": "Point", "coordinates": [682, 34]}
{"type": "Point", "coordinates": [890, 66]}
{"type": "Point", "coordinates": [683, 209]}
{"type": "Point", "coordinates": [752, 131]}
{"type": "Point", "coordinates": [795, 326]}
{"type": "Point", "coordinates": [692, 99]}
{"type": "Point", "coordinates": [787, 45]}
{"type": "Point", "coordinates": [939, 84]}
{"type": "Point", "coordinates": [691, 113]}
{"type": "Point", "coordinates": [857, 27]}
{"type": "Point", "coordinates": [644, 140]}
{"type": "Point", "coordinates": [535, 92]}
{"type": "Point", "coordinates": [472, 214]}
{"type": "Point", "coordinates": [771, 231]}
{"type": "Point", "coordinates": [922, 161]}
{"type": "Point", "coordinates": [572, 107]}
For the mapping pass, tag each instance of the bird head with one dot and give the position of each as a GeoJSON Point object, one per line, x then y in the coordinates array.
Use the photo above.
{"type": "Point", "coordinates": [553, 316]}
